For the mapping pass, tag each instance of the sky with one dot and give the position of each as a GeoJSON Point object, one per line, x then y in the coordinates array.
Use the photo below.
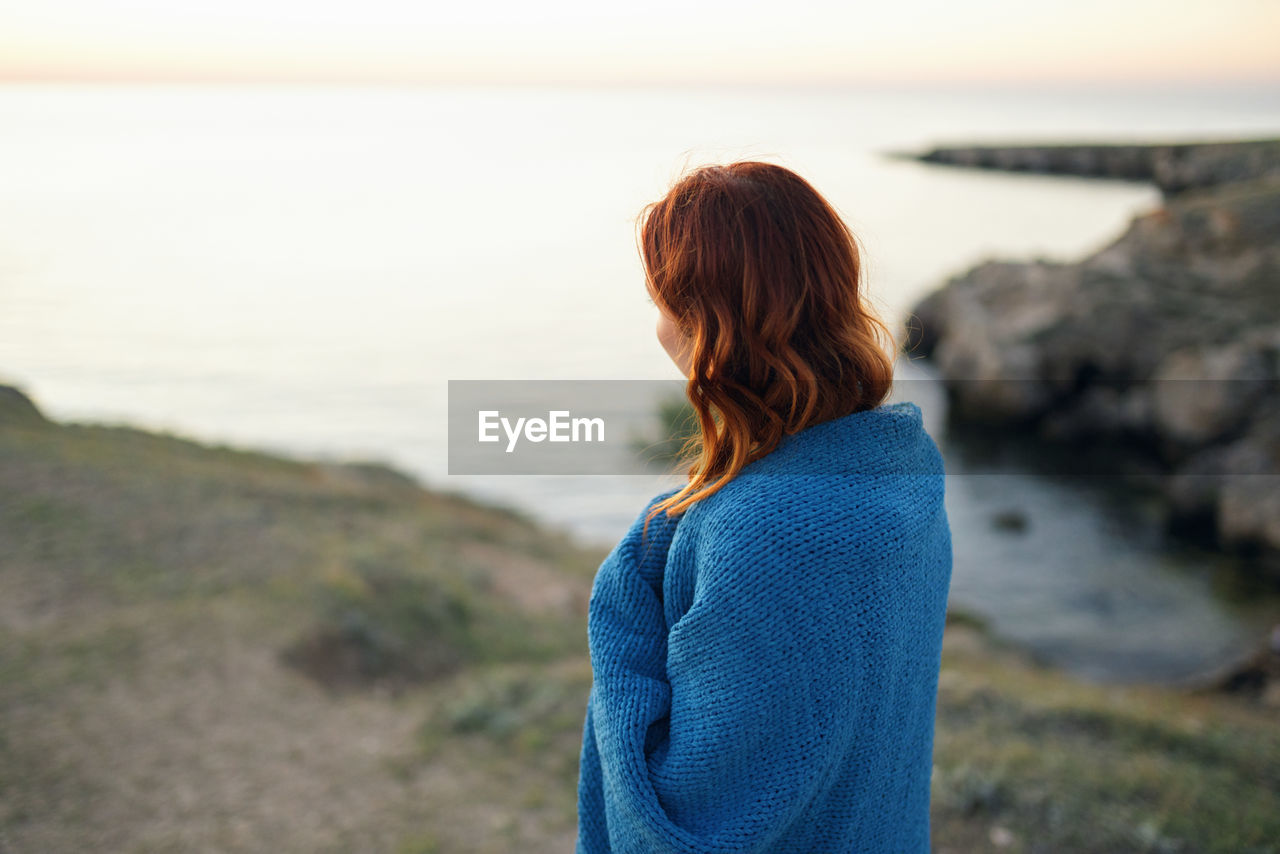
{"type": "Point", "coordinates": [655, 41]}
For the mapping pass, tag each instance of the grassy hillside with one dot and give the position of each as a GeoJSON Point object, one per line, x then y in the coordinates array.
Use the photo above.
{"type": "Point", "coordinates": [207, 649]}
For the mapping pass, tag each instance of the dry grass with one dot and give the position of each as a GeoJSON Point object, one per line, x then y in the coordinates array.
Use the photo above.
{"type": "Point", "coordinates": [153, 593]}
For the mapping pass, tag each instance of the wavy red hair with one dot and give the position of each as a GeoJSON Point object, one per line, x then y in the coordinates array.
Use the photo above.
{"type": "Point", "coordinates": [765, 280]}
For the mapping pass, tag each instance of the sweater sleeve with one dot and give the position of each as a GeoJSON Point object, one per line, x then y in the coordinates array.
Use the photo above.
{"type": "Point", "coordinates": [716, 735]}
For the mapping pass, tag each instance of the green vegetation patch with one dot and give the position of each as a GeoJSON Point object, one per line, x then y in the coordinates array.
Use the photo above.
{"type": "Point", "coordinates": [1052, 765]}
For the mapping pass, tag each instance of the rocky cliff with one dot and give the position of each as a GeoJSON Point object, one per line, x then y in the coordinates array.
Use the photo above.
{"type": "Point", "coordinates": [1167, 340]}
{"type": "Point", "coordinates": [1174, 168]}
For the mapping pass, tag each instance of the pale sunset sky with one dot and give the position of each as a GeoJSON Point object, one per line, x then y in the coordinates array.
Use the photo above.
{"type": "Point", "coordinates": [655, 41]}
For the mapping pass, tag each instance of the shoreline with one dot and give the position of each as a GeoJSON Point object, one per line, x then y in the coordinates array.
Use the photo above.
{"type": "Point", "coordinates": [1173, 167]}
{"type": "Point", "coordinates": [19, 410]}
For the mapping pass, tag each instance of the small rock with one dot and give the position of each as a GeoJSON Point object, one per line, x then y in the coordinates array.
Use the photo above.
{"type": "Point", "coordinates": [1014, 521]}
{"type": "Point", "coordinates": [1001, 837]}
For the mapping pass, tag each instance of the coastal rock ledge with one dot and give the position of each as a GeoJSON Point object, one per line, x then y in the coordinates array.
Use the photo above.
{"type": "Point", "coordinates": [1166, 340]}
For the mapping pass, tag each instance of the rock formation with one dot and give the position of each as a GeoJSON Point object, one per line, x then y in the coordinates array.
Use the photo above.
{"type": "Point", "coordinates": [1167, 339]}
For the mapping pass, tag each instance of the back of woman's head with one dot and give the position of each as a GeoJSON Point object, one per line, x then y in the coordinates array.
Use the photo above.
{"type": "Point", "coordinates": [763, 278]}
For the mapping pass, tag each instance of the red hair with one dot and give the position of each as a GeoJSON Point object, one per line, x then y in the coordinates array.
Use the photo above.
{"type": "Point", "coordinates": [764, 277]}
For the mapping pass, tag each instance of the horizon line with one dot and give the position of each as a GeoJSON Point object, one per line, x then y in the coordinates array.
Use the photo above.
{"type": "Point", "coordinates": [307, 80]}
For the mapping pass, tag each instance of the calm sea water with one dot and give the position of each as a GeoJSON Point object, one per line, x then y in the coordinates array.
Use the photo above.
{"type": "Point", "coordinates": [303, 270]}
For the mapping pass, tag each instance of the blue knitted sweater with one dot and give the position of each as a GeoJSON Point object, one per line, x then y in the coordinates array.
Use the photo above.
{"type": "Point", "coordinates": [765, 665]}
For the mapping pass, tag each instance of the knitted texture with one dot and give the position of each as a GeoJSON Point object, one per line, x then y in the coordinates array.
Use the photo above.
{"type": "Point", "coordinates": [765, 665]}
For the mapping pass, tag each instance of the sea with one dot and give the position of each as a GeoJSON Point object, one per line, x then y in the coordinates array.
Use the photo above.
{"type": "Point", "coordinates": [304, 269]}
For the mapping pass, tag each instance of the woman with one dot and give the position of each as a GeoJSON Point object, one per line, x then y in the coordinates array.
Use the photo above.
{"type": "Point", "coordinates": [765, 640]}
